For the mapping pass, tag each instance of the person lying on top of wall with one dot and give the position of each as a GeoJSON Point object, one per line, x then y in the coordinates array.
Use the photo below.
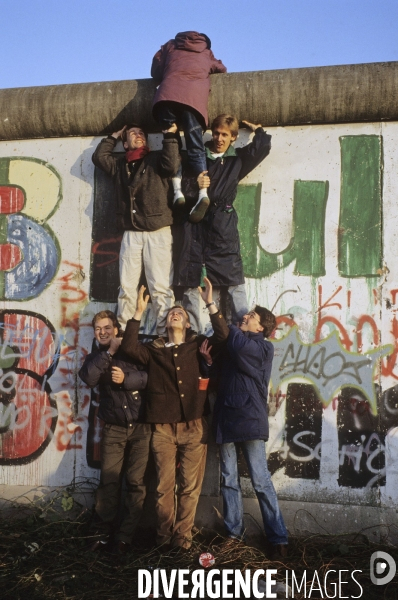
{"type": "Point", "coordinates": [144, 196]}
{"type": "Point", "coordinates": [125, 437]}
{"type": "Point", "coordinates": [182, 66]}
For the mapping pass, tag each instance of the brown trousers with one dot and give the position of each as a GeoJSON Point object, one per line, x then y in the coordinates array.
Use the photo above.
{"type": "Point", "coordinates": [187, 444]}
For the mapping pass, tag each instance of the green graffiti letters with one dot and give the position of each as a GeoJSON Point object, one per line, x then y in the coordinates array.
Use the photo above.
{"type": "Point", "coordinates": [360, 223]}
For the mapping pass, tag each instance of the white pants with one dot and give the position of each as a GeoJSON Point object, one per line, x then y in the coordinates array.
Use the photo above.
{"type": "Point", "coordinates": [153, 249]}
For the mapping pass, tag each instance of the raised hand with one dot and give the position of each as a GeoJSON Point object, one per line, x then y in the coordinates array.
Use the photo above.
{"type": "Point", "coordinates": [142, 303]}
{"type": "Point", "coordinates": [172, 129]}
{"type": "Point", "coordinates": [207, 293]}
{"type": "Point", "coordinates": [252, 126]}
{"type": "Point", "coordinates": [118, 134]}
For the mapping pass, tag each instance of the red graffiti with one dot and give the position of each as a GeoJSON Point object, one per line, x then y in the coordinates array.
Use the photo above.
{"type": "Point", "coordinates": [28, 358]}
{"type": "Point", "coordinates": [108, 247]}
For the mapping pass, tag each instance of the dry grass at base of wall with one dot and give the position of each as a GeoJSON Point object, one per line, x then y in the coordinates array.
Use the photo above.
{"type": "Point", "coordinates": [43, 555]}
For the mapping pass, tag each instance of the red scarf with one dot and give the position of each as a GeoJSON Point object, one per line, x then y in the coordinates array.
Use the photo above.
{"type": "Point", "coordinates": [136, 154]}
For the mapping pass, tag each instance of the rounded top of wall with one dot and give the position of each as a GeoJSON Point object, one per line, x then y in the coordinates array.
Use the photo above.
{"type": "Point", "coordinates": [317, 95]}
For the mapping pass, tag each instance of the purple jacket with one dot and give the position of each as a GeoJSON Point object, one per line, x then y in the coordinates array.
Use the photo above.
{"type": "Point", "coordinates": [183, 66]}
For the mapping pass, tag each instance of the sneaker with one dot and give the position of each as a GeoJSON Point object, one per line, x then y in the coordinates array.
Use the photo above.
{"type": "Point", "coordinates": [178, 201]}
{"type": "Point", "coordinates": [199, 210]}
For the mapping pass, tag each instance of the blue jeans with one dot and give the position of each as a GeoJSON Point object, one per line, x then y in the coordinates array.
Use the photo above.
{"type": "Point", "coordinates": [254, 453]}
{"type": "Point", "coordinates": [167, 113]}
{"type": "Point", "coordinates": [237, 294]}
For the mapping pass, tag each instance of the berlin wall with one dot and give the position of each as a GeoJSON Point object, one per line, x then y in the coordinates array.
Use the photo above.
{"type": "Point", "coordinates": [318, 223]}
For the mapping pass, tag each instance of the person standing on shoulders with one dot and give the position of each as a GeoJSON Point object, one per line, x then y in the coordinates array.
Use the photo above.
{"type": "Point", "coordinates": [144, 196]}
{"type": "Point", "coordinates": [212, 245]}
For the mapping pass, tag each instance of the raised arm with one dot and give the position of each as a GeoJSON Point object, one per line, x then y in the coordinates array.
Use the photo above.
{"type": "Point", "coordinates": [248, 354]}
{"type": "Point", "coordinates": [255, 152]}
{"type": "Point", "coordinates": [130, 344]}
{"type": "Point", "coordinates": [170, 158]}
{"type": "Point", "coordinates": [103, 157]}
{"type": "Point", "coordinates": [220, 327]}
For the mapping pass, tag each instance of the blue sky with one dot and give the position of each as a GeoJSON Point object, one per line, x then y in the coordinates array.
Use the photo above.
{"type": "Point", "coordinates": [45, 42]}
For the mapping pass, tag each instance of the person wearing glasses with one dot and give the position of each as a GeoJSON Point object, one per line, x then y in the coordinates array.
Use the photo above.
{"type": "Point", "coordinates": [241, 419]}
{"type": "Point", "coordinates": [125, 438]}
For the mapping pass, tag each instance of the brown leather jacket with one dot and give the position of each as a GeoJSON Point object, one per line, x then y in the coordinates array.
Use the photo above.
{"type": "Point", "coordinates": [144, 198]}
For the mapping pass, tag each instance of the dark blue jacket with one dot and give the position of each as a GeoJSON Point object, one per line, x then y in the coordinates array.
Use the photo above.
{"type": "Point", "coordinates": [240, 412]}
{"type": "Point", "coordinates": [214, 241]}
{"type": "Point", "coordinates": [120, 404]}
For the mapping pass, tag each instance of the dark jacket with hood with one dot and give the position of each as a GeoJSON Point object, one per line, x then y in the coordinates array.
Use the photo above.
{"type": "Point", "coordinates": [214, 241]}
{"type": "Point", "coordinates": [240, 412]}
{"type": "Point", "coordinates": [120, 404]}
{"type": "Point", "coordinates": [173, 372]}
{"type": "Point", "coordinates": [183, 66]}
{"type": "Point", "coordinates": [144, 192]}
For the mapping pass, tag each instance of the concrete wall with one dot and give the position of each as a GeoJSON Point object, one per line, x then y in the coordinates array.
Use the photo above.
{"type": "Point", "coordinates": [318, 225]}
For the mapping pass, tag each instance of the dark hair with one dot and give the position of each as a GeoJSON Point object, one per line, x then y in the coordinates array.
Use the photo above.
{"type": "Point", "coordinates": [129, 126]}
{"type": "Point", "coordinates": [267, 320]}
{"type": "Point", "coordinates": [106, 314]}
{"type": "Point", "coordinates": [226, 120]}
{"type": "Point", "coordinates": [182, 308]}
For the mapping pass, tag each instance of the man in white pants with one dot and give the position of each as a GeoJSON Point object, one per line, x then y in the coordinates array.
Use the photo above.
{"type": "Point", "coordinates": [144, 196]}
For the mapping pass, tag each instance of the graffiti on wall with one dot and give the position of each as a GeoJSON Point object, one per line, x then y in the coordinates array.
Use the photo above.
{"type": "Point", "coordinates": [360, 220]}
{"type": "Point", "coordinates": [327, 365]}
{"type": "Point", "coordinates": [29, 355]}
{"type": "Point", "coordinates": [361, 435]}
{"type": "Point", "coordinates": [336, 369]}
{"type": "Point", "coordinates": [30, 191]}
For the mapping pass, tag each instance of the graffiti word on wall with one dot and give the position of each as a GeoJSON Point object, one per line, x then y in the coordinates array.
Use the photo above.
{"type": "Point", "coordinates": [327, 365]}
{"type": "Point", "coordinates": [360, 221]}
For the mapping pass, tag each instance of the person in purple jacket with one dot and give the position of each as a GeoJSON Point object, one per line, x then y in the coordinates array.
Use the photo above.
{"type": "Point", "coordinates": [241, 420]}
{"type": "Point", "coordinates": [182, 66]}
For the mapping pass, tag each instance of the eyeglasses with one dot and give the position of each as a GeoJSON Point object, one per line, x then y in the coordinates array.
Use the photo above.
{"type": "Point", "coordinates": [106, 329]}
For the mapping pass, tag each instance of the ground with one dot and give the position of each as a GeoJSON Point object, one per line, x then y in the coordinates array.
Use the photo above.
{"type": "Point", "coordinates": [43, 555]}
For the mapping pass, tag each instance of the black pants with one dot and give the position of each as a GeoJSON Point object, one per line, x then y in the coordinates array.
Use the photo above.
{"type": "Point", "coordinates": [121, 445]}
{"type": "Point", "coordinates": [167, 113]}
